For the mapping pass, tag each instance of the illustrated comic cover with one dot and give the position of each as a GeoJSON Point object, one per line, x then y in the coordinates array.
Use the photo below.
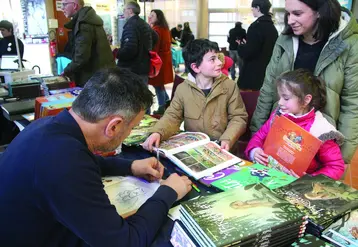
{"type": "Point", "coordinates": [344, 232]}
{"type": "Point", "coordinates": [321, 198]}
{"type": "Point", "coordinates": [255, 173]}
{"type": "Point", "coordinates": [238, 214]}
{"type": "Point", "coordinates": [291, 146]}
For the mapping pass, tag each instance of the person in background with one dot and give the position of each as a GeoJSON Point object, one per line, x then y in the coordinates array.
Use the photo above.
{"type": "Point", "coordinates": [136, 42]}
{"type": "Point", "coordinates": [256, 50]}
{"type": "Point", "coordinates": [51, 191]}
{"type": "Point", "coordinates": [227, 63]}
{"type": "Point", "coordinates": [91, 50]}
{"type": "Point", "coordinates": [322, 37]}
{"type": "Point", "coordinates": [237, 33]}
{"type": "Point", "coordinates": [7, 43]}
{"type": "Point", "coordinates": [176, 33]}
{"type": "Point", "coordinates": [187, 35]}
{"type": "Point", "coordinates": [207, 101]}
{"type": "Point", "coordinates": [163, 48]}
{"type": "Point", "coordinates": [301, 96]}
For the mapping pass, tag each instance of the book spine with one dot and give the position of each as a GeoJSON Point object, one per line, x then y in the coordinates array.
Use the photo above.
{"type": "Point", "coordinates": [301, 222]}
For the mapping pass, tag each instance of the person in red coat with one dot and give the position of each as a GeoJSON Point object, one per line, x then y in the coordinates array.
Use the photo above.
{"type": "Point", "coordinates": [162, 47]}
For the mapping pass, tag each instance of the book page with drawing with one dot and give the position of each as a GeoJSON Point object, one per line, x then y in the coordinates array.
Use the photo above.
{"type": "Point", "coordinates": [291, 147]}
{"type": "Point", "coordinates": [196, 155]}
{"type": "Point", "coordinates": [127, 194]}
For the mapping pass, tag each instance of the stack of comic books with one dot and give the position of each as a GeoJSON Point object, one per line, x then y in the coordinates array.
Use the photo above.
{"type": "Point", "coordinates": [243, 216]}
{"type": "Point", "coordinates": [322, 199]}
{"type": "Point", "coordinates": [140, 133]}
{"type": "Point", "coordinates": [53, 104]}
{"type": "Point", "coordinates": [343, 232]}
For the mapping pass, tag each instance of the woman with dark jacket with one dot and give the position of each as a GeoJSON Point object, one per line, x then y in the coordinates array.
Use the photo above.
{"type": "Point", "coordinates": [163, 48]}
{"type": "Point", "coordinates": [256, 50]}
{"type": "Point", "coordinates": [187, 35]}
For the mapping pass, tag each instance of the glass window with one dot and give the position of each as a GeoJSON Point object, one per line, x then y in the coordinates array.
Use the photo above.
{"type": "Point", "coordinates": [175, 11]}
{"type": "Point", "coordinates": [223, 17]}
{"type": "Point", "coordinates": [222, 4]}
{"type": "Point", "coordinates": [221, 40]}
{"type": "Point", "coordinates": [220, 28]}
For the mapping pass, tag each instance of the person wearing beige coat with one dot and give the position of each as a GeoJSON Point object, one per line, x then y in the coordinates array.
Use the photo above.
{"type": "Point", "coordinates": [221, 115]}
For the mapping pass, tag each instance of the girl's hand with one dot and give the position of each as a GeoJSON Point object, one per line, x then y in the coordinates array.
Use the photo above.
{"type": "Point", "coordinates": [260, 156]}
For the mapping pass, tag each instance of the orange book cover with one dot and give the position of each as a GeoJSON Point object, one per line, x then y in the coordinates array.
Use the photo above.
{"type": "Point", "coordinates": [290, 145]}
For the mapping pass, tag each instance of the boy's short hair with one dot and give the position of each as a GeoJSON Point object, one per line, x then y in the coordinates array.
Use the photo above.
{"type": "Point", "coordinates": [195, 50]}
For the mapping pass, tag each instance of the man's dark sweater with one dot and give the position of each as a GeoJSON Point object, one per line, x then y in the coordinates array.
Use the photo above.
{"type": "Point", "coordinates": [51, 192]}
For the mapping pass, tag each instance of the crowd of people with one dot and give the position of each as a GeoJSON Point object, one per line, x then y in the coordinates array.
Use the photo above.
{"type": "Point", "coordinates": [51, 193]}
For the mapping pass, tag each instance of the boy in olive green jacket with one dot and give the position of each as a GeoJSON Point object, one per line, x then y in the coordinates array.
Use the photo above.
{"type": "Point", "coordinates": [207, 101]}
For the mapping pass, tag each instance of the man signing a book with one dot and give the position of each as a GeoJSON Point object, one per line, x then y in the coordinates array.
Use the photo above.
{"type": "Point", "coordinates": [51, 193]}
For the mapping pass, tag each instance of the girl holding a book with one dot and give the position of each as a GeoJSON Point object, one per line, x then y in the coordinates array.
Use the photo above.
{"type": "Point", "coordinates": [301, 96]}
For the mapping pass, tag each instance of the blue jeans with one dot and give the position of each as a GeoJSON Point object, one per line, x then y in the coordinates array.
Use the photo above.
{"type": "Point", "coordinates": [161, 95]}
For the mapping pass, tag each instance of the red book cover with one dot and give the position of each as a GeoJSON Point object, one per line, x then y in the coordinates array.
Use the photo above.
{"type": "Point", "coordinates": [290, 145]}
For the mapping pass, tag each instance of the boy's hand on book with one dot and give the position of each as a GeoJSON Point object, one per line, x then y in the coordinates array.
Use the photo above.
{"type": "Point", "coordinates": [149, 169]}
{"type": "Point", "coordinates": [181, 184]}
{"type": "Point", "coordinates": [225, 145]}
{"type": "Point", "coordinates": [260, 157]}
{"type": "Point", "coordinates": [152, 140]}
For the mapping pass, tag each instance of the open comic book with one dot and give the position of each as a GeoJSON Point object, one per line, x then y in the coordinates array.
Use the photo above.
{"type": "Point", "coordinates": [196, 155]}
{"type": "Point", "coordinates": [127, 194]}
{"type": "Point", "coordinates": [290, 147]}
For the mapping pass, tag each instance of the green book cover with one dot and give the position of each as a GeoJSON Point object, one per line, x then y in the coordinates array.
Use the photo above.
{"type": "Point", "coordinates": [256, 173]}
{"type": "Point", "coordinates": [238, 214]}
{"type": "Point", "coordinates": [140, 133]}
{"type": "Point", "coordinates": [321, 198]}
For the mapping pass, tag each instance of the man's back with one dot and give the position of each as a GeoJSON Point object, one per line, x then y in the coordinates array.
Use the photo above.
{"type": "Point", "coordinates": [91, 48]}
{"type": "Point", "coordinates": [21, 169]}
{"type": "Point", "coordinates": [41, 175]}
{"type": "Point", "coordinates": [237, 33]}
{"type": "Point", "coordinates": [136, 42]}
{"type": "Point", "coordinates": [176, 34]}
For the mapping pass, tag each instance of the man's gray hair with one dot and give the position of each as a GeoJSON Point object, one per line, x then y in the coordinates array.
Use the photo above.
{"type": "Point", "coordinates": [134, 6]}
{"type": "Point", "coordinates": [112, 92]}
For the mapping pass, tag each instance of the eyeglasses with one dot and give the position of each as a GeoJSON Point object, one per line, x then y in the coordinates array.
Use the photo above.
{"type": "Point", "coordinates": [65, 4]}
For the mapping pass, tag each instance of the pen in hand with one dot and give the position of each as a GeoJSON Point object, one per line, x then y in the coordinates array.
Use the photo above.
{"type": "Point", "coordinates": [157, 157]}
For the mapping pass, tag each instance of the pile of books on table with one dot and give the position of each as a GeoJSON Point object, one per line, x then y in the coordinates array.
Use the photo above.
{"type": "Point", "coordinates": [55, 103]}
{"type": "Point", "coordinates": [244, 216]}
{"type": "Point", "coordinates": [324, 200]}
